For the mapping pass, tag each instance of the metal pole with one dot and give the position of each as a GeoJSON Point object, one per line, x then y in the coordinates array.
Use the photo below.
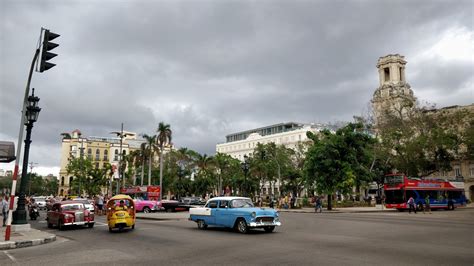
{"type": "Point", "coordinates": [18, 151]}
{"type": "Point", "coordinates": [120, 161]}
{"type": "Point", "coordinates": [20, 213]}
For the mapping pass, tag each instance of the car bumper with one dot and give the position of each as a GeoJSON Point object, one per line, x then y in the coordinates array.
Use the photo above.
{"type": "Point", "coordinates": [263, 224]}
{"type": "Point", "coordinates": [79, 223]}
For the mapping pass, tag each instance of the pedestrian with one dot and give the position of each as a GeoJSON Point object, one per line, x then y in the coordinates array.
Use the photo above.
{"type": "Point", "coordinates": [4, 205]}
{"type": "Point", "coordinates": [318, 205]}
{"type": "Point", "coordinates": [100, 203]}
{"type": "Point", "coordinates": [427, 204]}
{"type": "Point", "coordinates": [411, 205]}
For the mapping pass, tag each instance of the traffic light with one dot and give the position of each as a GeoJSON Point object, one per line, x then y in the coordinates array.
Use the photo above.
{"type": "Point", "coordinates": [45, 48]}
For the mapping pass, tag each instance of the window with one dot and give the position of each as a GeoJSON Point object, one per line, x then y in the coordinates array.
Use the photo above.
{"type": "Point", "coordinates": [62, 181]}
{"type": "Point", "coordinates": [116, 155]}
{"type": "Point", "coordinates": [386, 72]}
{"type": "Point", "coordinates": [96, 165]}
{"type": "Point", "coordinates": [471, 170]}
{"type": "Point", "coordinates": [89, 153]}
{"type": "Point", "coordinates": [70, 180]}
{"type": "Point", "coordinates": [457, 171]}
{"type": "Point", "coordinates": [212, 204]}
{"type": "Point", "coordinates": [223, 204]}
{"type": "Point", "coordinates": [97, 154]}
{"type": "Point", "coordinates": [106, 153]}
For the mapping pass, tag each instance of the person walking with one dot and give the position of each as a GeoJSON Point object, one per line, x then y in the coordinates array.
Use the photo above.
{"type": "Point", "coordinates": [318, 205]}
{"type": "Point", "coordinates": [4, 206]}
{"type": "Point", "coordinates": [411, 205]}
{"type": "Point", "coordinates": [427, 204]}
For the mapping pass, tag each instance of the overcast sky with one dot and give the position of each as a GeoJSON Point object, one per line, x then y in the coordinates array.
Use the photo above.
{"type": "Point", "coordinates": [211, 68]}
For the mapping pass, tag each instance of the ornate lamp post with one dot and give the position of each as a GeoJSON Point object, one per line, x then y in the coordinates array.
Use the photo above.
{"type": "Point", "coordinates": [245, 167]}
{"type": "Point", "coordinates": [32, 112]}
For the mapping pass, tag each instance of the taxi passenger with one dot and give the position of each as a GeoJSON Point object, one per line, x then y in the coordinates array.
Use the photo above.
{"type": "Point", "coordinates": [121, 206]}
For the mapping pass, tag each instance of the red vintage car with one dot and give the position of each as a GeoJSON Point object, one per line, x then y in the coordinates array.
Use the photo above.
{"type": "Point", "coordinates": [69, 213]}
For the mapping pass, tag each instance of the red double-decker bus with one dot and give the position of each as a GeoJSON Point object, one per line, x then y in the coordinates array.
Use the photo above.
{"type": "Point", "coordinates": [398, 188]}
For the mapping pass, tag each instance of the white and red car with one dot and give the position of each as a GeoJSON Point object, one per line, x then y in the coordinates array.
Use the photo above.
{"type": "Point", "coordinates": [69, 213]}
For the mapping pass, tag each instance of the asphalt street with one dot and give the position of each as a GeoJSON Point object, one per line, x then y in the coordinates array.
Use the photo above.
{"type": "Point", "coordinates": [441, 238]}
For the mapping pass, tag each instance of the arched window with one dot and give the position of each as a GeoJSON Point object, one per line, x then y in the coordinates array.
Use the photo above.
{"type": "Point", "coordinates": [61, 192]}
{"type": "Point", "coordinates": [89, 153]}
{"type": "Point", "coordinates": [116, 155]}
{"type": "Point", "coordinates": [70, 180]}
{"type": "Point", "coordinates": [62, 181]}
{"type": "Point", "coordinates": [97, 154]}
{"type": "Point", "coordinates": [106, 153]}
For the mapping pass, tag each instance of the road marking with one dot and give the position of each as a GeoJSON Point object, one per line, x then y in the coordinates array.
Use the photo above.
{"type": "Point", "coordinates": [100, 224]}
{"type": "Point", "coordinates": [41, 222]}
{"type": "Point", "coordinates": [10, 256]}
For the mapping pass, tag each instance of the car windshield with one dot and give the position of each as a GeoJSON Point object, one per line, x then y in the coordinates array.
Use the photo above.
{"type": "Point", "coordinates": [242, 203]}
{"type": "Point", "coordinates": [72, 207]}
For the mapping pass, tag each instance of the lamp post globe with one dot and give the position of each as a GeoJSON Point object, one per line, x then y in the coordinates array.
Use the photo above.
{"type": "Point", "coordinates": [31, 116]}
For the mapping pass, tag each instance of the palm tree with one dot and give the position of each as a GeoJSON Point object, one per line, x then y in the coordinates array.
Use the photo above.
{"type": "Point", "coordinates": [164, 137]}
{"type": "Point", "coordinates": [143, 150]}
{"type": "Point", "coordinates": [151, 146]}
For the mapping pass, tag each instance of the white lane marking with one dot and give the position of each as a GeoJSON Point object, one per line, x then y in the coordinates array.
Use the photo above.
{"type": "Point", "coordinates": [99, 223]}
{"type": "Point", "coordinates": [41, 222]}
{"type": "Point", "coordinates": [10, 256]}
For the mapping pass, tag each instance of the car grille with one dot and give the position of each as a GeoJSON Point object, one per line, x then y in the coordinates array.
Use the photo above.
{"type": "Point", "coordinates": [79, 217]}
{"type": "Point", "coordinates": [265, 219]}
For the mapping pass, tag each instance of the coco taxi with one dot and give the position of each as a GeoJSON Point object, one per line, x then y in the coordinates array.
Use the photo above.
{"type": "Point", "coordinates": [234, 212]}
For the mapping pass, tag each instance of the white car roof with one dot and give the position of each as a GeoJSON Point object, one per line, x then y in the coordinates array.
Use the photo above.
{"type": "Point", "coordinates": [227, 198]}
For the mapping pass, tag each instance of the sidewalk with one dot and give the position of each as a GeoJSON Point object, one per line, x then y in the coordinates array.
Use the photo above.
{"type": "Point", "coordinates": [30, 238]}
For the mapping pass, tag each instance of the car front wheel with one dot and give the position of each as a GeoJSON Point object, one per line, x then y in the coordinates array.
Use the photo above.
{"type": "Point", "coordinates": [242, 226]}
{"type": "Point", "coordinates": [146, 210]}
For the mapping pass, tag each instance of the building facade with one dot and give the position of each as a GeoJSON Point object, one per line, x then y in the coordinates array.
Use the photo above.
{"type": "Point", "coordinates": [290, 134]}
{"type": "Point", "coordinates": [101, 150]}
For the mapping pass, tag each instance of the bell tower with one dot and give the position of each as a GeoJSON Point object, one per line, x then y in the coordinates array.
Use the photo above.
{"type": "Point", "coordinates": [394, 94]}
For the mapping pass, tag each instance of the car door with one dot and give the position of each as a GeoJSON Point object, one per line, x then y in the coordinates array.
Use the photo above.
{"type": "Point", "coordinates": [223, 213]}
{"type": "Point", "coordinates": [212, 208]}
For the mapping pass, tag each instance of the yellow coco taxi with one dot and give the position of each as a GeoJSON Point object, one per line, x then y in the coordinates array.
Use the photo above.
{"type": "Point", "coordinates": [120, 212]}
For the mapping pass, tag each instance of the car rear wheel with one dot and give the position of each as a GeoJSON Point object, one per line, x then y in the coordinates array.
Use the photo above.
{"type": "Point", "coordinates": [269, 229]}
{"type": "Point", "coordinates": [146, 210]}
{"type": "Point", "coordinates": [242, 226]}
{"type": "Point", "coordinates": [201, 224]}
{"type": "Point", "coordinates": [90, 225]}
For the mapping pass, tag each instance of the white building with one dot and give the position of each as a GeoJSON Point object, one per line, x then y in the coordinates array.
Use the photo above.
{"type": "Point", "coordinates": [288, 134]}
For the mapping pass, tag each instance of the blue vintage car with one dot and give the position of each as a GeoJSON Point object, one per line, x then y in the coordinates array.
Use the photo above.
{"type": "Point", "coordinates": [234, 212]}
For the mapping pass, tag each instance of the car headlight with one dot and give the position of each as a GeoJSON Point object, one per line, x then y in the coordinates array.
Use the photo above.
{"type": "Point", "coordinates": [254, 214]}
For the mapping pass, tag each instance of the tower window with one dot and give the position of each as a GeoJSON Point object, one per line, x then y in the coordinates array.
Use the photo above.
{"type": "Point", "coordinates": [386, 72]}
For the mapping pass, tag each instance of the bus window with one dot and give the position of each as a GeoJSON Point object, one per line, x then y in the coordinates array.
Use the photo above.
{"type": "Point", "coordinates": [394, 197]}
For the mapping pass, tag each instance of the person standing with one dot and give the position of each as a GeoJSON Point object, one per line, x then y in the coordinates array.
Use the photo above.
{"type": "Point", "coordinates": [411, 205]}
{"type": "Point", "coordinates": [427, 204]}
{"type": "Point", "coordinates": [4, 206]}
{"type": "Point", "coordinates": [318, 205]}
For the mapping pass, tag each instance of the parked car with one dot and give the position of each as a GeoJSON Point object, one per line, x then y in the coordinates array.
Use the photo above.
{"type": "Point", "coordinates": [87, 203]}
{"type": "Point", "coordinates": [40, 202]}
{"type": "Point", "coordinates": [234, 212]}
{"type": "Point", "coordinates": [146, 206]}
{"type": "Point", "coordinates": [174, 205]}
{"type": "Point", "coordinates": [69, 213]}
{"type": "Point", "coordinates": [193, 201]}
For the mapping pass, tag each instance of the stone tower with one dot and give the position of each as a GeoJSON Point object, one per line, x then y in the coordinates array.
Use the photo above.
{"type": "Point", "coordinates": [394, 93]}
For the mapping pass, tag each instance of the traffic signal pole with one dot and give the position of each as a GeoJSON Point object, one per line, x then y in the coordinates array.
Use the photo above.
{"type": "Point", "coordinates": [18, 151]}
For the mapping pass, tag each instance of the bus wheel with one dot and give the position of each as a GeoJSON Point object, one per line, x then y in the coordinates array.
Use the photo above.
{"type": "Point", "coordinates": [419, 207]}
{"type": "Point", "coordinates": [450, 206]}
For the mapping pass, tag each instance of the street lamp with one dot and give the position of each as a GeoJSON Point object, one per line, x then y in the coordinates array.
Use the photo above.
{"type": "Point", "coordinates": [121, 135]}
{"type": "Point", "coordinates": [245, 167]}
{"type": "Point", "coordinates": [31, 116]}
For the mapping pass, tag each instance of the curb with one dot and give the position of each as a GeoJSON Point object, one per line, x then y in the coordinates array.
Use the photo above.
{"type": "Point", "coordinates": [339, 211]}
{"type": "Point", "coordinates": [26, 243]}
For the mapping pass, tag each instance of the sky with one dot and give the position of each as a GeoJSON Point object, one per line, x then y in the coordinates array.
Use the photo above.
{"type": "Point", "coordinates": [211, 68]}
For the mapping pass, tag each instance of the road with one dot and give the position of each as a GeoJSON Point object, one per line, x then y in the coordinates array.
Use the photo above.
{"type": "Point", "coordinates": [441, 238]}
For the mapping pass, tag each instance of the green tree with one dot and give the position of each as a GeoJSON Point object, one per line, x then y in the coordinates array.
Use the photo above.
{"type": "Point", "coordinates": [87, 177]}
{"type": "Point", "coordinates": [163, 138]}
{"type": "Point", "coordinates": [334, 161]}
